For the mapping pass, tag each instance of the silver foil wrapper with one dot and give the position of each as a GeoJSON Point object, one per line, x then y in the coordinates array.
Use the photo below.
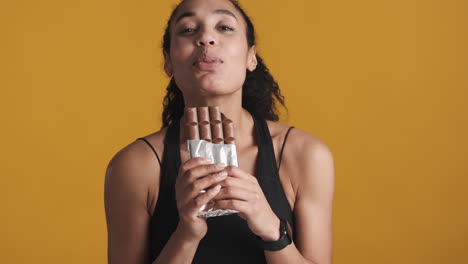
{"type": "Point", "coordinates": [218, 153]}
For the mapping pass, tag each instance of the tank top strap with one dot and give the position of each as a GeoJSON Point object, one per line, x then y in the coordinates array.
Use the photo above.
{"type": "Point", "coordinates": [165, 219]}
{"type": "Point", "coordinates": [171, 154]}
{"type": "Point", "coordinates": [266, 154]}
{"type": "Point", "coordinates": [267, 173]}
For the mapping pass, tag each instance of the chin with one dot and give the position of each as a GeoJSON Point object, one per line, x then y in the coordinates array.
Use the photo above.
{"type": "Point", "coordinates": [209, 85]}
{"type": "Point", "coordinates": [214, 90]}
{"type": "Point", "coordinates": [212, 87]}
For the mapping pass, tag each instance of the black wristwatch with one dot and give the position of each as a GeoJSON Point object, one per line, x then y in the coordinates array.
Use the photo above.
{"type": "Point", "coordinates": [284, 241]}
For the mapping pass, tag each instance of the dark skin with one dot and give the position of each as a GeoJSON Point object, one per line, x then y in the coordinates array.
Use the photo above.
{"type": "Point", "coordinates": [306, 174]}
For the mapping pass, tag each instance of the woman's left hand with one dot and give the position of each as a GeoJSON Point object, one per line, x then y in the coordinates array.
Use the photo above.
{"type": "Point", "coordinates": [242, 192]}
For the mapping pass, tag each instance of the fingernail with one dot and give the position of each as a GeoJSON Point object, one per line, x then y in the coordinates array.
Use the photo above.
{"type": "Point", "coordinates": [222, 174]}
{"type": "Point", "coordinates": [220, 165]}
{"type": "Point", "coordinates": [217, 188]}
{"type": "Point", "coordinates": [206, 160]}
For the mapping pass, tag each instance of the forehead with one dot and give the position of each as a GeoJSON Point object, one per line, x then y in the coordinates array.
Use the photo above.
{"type": "Point", "coordinates": [201, 8]}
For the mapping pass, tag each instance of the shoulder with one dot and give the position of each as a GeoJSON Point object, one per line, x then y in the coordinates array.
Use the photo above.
{"type": "Point", "coordinates": [308, 148]}
{"type": "Point", "coordinates": [300, 144]}
{"type": "Point", "coordinates": [138, 154]}
{"type": "Point", "coordinates": [134, 169]}
{"type": "Point", "coordinates": [306, 158]}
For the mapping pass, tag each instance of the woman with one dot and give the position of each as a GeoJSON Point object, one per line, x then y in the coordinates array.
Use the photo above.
{"type": "Point", "coordinates": [152, 201]}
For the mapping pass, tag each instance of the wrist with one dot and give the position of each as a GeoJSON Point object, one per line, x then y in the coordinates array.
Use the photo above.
{"type": "Point", "coordinates": [273, 233]}
{"type": "Point", "coordinates": [182, 236]}
{"type": "Point", "coordinates": [285, 238]}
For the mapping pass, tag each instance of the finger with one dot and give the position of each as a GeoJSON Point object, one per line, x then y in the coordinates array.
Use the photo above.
{"type": "Point", "coordinates": [241, 206]}
{"type": "Point", "coordinates": [195, 172]}
{"type": "Point", "coordinates": [237, 194]}
{"type": "Point", "coordinates": [203, 183]}
{"type": "Point", "coordinates": [203, 198]}
{"type": "Point", "coordinates": [202, 171]}
{"type": "Point", "coordinates": [239, 173]}
{"type": "Point", "coordinates": [239, 183]}
{"type": "Point", "coordinates": [192, 163]}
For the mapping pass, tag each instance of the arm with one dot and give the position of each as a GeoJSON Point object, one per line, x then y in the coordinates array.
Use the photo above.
{"type": "Point", "coordinates": [128, 176]}
{"type": "Point", "coordinates": [310, 162]}
{"type": "Point", "coordinates": [177, 250]}
{"type": "Point", "coordinates": [126, 197]}
{"type": "Point", "coordinates": [183, 243]}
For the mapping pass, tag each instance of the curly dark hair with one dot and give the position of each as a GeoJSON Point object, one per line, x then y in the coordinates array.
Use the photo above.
{"type": "Point", "coordinates": [259, 90]}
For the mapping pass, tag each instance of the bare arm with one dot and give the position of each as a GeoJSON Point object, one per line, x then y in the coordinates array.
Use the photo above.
{"type": "Point", "coordinates": [310, 161]}
{"type": "Point", "coordinates": [310, 165]}
{"type": "Point", "coordinates": [126, 197]}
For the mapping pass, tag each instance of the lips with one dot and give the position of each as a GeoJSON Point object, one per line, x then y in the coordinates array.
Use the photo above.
{"type": "Point", "coordinates": [207, 62]}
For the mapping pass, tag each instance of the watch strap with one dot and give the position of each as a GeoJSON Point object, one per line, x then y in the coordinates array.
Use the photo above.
{"type": "Point", "coordinates": [283, 241]}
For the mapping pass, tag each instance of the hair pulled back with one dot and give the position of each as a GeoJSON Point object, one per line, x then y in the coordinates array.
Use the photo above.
{"type": "Point", "coordinates": [259, 90]}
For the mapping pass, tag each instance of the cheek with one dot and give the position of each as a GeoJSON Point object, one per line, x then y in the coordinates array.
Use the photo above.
{"type": "Point", "coordinates": [237, 48]}
{"type": "Point", "coordinates": [180, 50]}
{"type": "Point", "coordinates": [237, 61]}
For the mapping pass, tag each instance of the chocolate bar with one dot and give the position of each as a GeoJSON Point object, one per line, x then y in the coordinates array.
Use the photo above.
{"type": "Point", "coordinates": [228, 130]}
{"type": "Point", "coordinates": [210, 134]}
{"type": "Point", "coordinates": [209, 124]}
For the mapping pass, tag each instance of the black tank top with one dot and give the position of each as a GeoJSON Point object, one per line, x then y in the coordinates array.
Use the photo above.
{"type": "Point", "coordinates": [229, 239]}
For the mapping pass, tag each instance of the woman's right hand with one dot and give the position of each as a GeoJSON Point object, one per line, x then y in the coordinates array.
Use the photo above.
{"type": "Point", "coordinates": [195, 175]}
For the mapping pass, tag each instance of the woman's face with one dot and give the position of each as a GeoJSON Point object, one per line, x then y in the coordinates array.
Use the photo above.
{"type": "Point", "coordinates": [209, 54]}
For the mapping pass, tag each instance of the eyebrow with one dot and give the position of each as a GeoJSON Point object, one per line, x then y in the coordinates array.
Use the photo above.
{"type": "Point", "coordinates": [217, 11]}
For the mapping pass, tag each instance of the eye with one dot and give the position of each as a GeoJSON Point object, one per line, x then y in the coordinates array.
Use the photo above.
{"type": "Point", "coordinates": [227, 28]}
{"type": "Point", "coordinates": [187, 30]}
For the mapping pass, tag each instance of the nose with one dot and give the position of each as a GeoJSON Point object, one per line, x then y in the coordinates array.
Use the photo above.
{"type": "Point", "coordinates": [205, 43]}
{"type": "Point", "coordinates": [205, 39]}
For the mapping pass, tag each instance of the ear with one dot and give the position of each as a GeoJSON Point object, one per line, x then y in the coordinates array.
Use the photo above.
{"type": "Point", "coordinates": [252, 59]}
{"type": "Point", "coordinates": [168, 65]}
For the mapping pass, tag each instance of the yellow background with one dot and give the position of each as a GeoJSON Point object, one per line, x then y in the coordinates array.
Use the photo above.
{"type": "Point", "coordinates": [383, 83]}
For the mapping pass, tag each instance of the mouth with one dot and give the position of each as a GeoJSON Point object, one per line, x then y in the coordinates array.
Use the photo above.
{"type": "Point", "coordinates": [207, 63]}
